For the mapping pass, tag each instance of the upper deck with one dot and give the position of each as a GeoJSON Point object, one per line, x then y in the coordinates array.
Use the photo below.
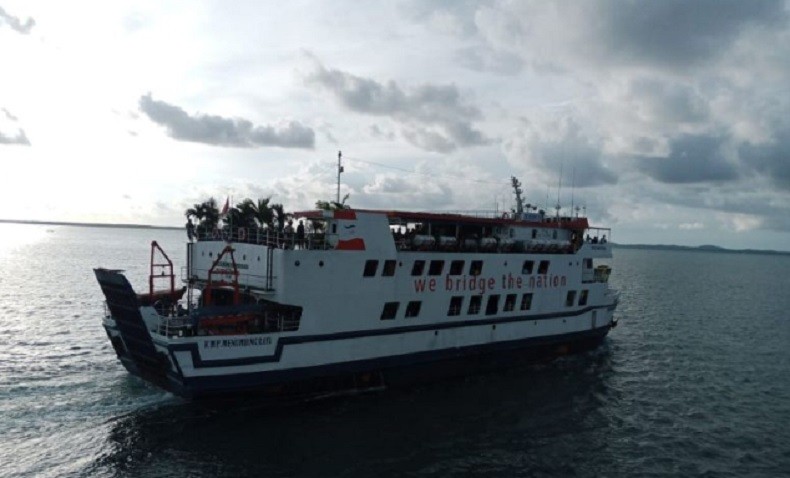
{"type": "Point", "coordinates": [389, 231]}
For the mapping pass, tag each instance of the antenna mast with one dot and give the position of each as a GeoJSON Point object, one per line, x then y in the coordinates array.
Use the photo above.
{"type": "Point", "coordinates": [573, 185]}
{"type": "Point", "coordinates": [559, 188]}
{"type": "Point", "coordinates": [517, 189]}
{"type": "Point", "coordinates": [339, 170]}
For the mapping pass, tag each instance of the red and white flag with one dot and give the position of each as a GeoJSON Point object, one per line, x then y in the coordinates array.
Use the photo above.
{"type": "Point", "coordinates": [225, 208]}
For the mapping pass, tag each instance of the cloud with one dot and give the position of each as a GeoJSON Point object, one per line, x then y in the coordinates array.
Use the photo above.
{"type": "Point", "coordinates": [10, 133]}
{"type": "Point", "coordinates": [433, 118]}
{"type": "Point", "coordinates": [219, 131]}
{"type": "Point", "coordinates": [15, 23]}
{"type": "Point", "coordinates": [663, 101]}
{"type": "Point", "coordinates": [562, 145]}
{"type": "Point", "coordinates": [691, 159]}
{"type": "Point", "coordinates": [771, 158]}
{"type": "Point", "coordinates": [676, 33]}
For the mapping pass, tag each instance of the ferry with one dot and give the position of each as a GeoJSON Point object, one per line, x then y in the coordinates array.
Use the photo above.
{"type": "Point", "coordinates": [363, 300]}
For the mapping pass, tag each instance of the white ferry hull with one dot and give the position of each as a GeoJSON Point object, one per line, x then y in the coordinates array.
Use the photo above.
{"type": "Point", "coordinates": [280, 365]}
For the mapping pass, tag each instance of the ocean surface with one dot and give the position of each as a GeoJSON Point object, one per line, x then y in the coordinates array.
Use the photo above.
{"type": "Point", "coordinates": [695, 381]}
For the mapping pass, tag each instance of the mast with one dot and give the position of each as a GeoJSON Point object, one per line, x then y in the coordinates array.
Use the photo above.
{"type": "Point", "coordinates": [517, 189]}
{"type": "Point", "coordinates": [339, 170]}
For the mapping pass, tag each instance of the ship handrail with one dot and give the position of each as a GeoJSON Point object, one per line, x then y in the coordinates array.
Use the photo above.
{"type": "Point", "coordinates": [264, 237]}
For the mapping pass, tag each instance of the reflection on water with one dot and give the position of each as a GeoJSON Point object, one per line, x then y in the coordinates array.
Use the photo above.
{"type": "Point", "coordinates": [495, 423]}
{"type": "Point", "coordinates": [16, 236]}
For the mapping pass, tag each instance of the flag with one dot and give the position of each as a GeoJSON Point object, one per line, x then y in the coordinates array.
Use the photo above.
{"type": "Point", "coordinates": [225, 208]}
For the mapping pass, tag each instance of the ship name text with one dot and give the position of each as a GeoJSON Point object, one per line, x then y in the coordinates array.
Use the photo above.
{"type": "Point", "coordinates": [484, 284]}
{"type": "Point", "coordinates": [245, 342]}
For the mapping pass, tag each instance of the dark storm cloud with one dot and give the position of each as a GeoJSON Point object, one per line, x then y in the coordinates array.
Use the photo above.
{"type": "Point", "coordinates": [668, 102]}
{"type": "Point", "coordinates": [679, 32]}
{"type": "Point", "coordinates": [692, 159]}
{"type": "Point", "coordinates": [435, 118]}
{"type": "Point", "coordinates": [771, 159]}
{"type": "Point", "coordinates": [15, 23]}
{"type": "Point", "coordinates": [219, 131]}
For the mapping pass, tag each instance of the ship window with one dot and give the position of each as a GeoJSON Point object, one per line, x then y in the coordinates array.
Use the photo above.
{"type": "Point", "coordinates": [436, 268]}
{"type": "Point", "coordinates": [456, 303]}
{"type": "Point", "coordinates": [570, 298]}
{"type": "Point", "coordinates": [389, 268]}
{"type": "Point", "coordinates": [543, 268]}
{"type": "Point", "coordinates": [534, 234]}
{"type": "Point", "coordinates": [390, 310]}
{"type": "Point", "coordinates": [476, 268]}
{"type": "Point", "coordinates": [334, 228]}
{"type": "Point", "coordinates": [583, 297]}
{"type": "Point", "coordinates": [413, 309]}
{"type": "Point", "coordinates": [510, 302]}
{"type": "Point", "coordinates": [588, 263]}
{"type": "Point", "coordinates": [418, 268]}
{"type": "Point", "coordinates": [492, 306]}
{"type": "Point", "coordinates": [527, 267]}
{"type": "Point", "coordinates": [370, 268]}
{"type": "Point", "coordinates": [526, 301]}
{"type": "Point", "coordinates": [456, 268]}
{"type": "Point", "coordinates": [474, 304]}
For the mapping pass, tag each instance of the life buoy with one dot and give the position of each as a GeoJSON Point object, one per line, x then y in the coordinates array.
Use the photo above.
{"type": "Point", "coordinates": [241, 233]}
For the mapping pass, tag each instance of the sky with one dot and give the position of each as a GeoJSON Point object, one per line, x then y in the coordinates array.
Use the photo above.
{"type": "Point", "coordinates": [667, 121]}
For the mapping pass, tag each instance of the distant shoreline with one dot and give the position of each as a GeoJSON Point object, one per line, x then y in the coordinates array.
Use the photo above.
{"type": "Point", "coordinates": [86, 224]}
{"type": "Point", "coordinates": [657, 247]}
{"type": "Point", "coordinates": [705, 248]}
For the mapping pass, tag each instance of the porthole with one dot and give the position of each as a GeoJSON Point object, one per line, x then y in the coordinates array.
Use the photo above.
{"type": "Point", "coordinates": [320, 263]}
{"type": "Point", "coordinates": [296, 263]}
{"type": "Point", "coordinates": [244, 257]}
{"type": "Point", "coordinates": [211, 254]}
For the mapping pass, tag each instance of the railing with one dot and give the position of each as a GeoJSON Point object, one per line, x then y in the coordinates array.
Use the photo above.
{"type": "Point", "coordinates": [265, 237]}
{"type": "Point", "coordinates": [244, 280]}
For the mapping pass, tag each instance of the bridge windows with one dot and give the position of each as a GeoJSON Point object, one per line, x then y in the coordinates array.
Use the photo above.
{"type": "Point", "coordinates": [389, 268]}
{"type": "Point", "coordinates": [510, 303]}
{"type": "Point", "coordinates": [413, 308]}
{"type": "Point", "coordinates": [474, 304]}
{"type": "Point", "coordinates": [390, 310]}
{"type": "Point", "coordinates": [492, 306]}
{"type": "Point", "coordinates": [526, 301]}
{"type": "Point", "coordinates": [370, 268]}
{"type": "Point", "coordinates": [456, 303]}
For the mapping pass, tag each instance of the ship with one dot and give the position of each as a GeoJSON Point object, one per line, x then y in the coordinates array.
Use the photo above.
{"type": "Point", "coordinates": [363, 300]}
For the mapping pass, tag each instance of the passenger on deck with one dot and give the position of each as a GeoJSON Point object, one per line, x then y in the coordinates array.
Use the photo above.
{"type": "Point", "coordinates": [603, 239]}
{"type": "Point", "coordinates": [190, 229]}
{"type": "Point", "coordinates": [300, 234]}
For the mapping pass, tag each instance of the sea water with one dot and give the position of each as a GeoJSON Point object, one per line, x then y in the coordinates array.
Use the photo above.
{"type": "Point", "coordinates": [694, 381]}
